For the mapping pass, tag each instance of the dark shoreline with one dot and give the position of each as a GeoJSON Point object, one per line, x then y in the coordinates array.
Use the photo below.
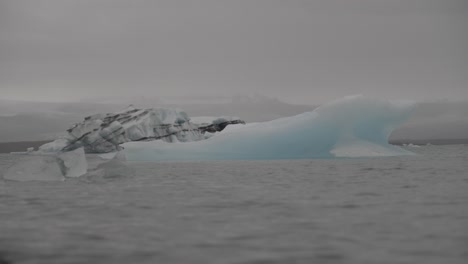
{"type": "Point", "coordinates": [7, 147]}
{"type": "Point", "coordinates": [461, 141]}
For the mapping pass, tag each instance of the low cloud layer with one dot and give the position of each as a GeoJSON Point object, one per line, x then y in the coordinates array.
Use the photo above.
{"type": "Point", "coordinates": [299, 51]}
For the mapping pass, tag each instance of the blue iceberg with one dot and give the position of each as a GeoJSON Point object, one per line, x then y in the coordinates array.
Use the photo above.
{"type": "Point", "coordinates": [354, 126]}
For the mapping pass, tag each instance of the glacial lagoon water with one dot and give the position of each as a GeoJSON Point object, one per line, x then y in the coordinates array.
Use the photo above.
{"type": "Point", "coordinates": [408, 209]}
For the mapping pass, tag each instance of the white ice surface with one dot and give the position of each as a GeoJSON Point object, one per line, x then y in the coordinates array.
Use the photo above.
{"type": "Point", "coordinates": [108, 156]}
{"type": "Point", "coordinates": [54, 146]}
{"type": "Point", "coordinates": [35, 168]}
{"type": "Point", "coordinates": [39, 166]}
{"type": "Point", "coordinates": [73, 163]}
{"type": "Point", "coordinates": [360, 148]}
{"type": "Point", "coordinates": [354, 126]}
{"type": "Point", "coordinates": [116, 167]}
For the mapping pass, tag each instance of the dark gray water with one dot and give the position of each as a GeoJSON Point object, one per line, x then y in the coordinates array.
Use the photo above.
{"type": "Point", "coordinates": [383, 210]}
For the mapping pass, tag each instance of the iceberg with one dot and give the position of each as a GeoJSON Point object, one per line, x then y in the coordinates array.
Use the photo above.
{"type": "Point", "coordinates": [104, 133]}
{"type": "Point", "coordinates": [114, 168]}
{"type": "Point", "coordinates": [73, 163]}
{"type": "Point", "coordinates": [35, 168]}
{"type": "Point", "coordinates": [354, 126]}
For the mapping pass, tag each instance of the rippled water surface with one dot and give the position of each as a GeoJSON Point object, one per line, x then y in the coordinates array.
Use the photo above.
{"type": "Point", "coordinates": [383, 210]}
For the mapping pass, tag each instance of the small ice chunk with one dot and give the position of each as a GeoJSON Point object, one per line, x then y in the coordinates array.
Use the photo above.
{"type": "Point", "coordinates": [73, 163]}
{"type": "Point", "coordinates": [114, 168]}
{"type": "Point", "coordinates": [108, 156]}
{"type": "Point", "coordinates": [35, 168]}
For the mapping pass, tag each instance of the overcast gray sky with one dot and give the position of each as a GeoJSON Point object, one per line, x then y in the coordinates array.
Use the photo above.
{"type": "Point", "coordinates": [300, 51]}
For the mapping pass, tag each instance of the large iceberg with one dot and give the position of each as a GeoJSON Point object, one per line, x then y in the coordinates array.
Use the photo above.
{"type": "Point", "coordinates": [104, 133]}
{"type": "Point", "coordinates": [354, 126]}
